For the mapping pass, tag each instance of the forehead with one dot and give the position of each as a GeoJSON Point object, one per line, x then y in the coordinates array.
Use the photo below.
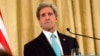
{"type": "Point", "coordinates": [46, 9]}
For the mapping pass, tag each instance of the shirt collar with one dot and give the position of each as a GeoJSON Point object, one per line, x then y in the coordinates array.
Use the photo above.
{"type": "Point", "coordinates": [48, 34]}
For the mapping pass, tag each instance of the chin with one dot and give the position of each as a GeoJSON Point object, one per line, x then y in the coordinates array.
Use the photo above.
{"type": "Point", "coordinates": [50, 28]}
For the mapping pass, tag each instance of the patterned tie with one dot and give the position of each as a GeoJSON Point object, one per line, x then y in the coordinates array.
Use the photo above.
{"type": "Point", "coordinates": [55, 45]}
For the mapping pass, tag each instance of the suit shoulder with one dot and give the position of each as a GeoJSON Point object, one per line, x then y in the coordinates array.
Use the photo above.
{"type": "Point", "coordinates": [32, 42]}
{"type": "Point", "coordinates": [35, 41]}
{"type": "Point", "coordinates": [66, 36]}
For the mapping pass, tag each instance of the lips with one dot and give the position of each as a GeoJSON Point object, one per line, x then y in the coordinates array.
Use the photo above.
{"type": "Point", "coordinates": [47, 22]}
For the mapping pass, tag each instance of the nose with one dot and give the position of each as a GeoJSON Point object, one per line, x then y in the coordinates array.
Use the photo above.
{"type": "Point", "coordinates": [47, 17]}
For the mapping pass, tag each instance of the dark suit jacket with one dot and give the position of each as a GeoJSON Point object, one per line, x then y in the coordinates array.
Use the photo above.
{"type": "Point", "coordinates": [41, 47]}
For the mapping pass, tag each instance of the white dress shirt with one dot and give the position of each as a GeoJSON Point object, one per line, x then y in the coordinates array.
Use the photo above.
{"type": "Point", "coordinates": [48, 35]}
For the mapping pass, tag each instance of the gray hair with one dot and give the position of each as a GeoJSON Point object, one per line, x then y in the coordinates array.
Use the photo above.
{"type": "Point", "coordinates": [43, 5]}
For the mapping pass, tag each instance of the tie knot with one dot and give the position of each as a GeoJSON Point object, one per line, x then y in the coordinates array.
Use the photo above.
{"type": "Point", "coordinates": [53, 35]}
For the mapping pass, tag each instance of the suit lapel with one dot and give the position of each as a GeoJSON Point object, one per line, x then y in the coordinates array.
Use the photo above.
{"type": "Point", "coordinates": [63, 41]}
{"type": "Point", "coordinates": [45, 44]}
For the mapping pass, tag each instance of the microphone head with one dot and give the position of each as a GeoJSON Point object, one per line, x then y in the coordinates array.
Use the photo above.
{"type": "Point", "coordinates": [68, 29]}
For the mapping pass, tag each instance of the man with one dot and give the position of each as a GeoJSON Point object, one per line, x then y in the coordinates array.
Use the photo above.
{"type": "Point", "coordinates": [42, 45]}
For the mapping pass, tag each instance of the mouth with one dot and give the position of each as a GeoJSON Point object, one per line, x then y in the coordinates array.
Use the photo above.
{"type": "Point", "coordinates": [47, 22]}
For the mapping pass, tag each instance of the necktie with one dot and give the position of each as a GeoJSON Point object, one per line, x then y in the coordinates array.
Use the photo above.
{"type": "Point", "coordinates": [55, 45]}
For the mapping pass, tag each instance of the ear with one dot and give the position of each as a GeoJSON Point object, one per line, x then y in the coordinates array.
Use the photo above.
{"type": "Point", "coordinates": [39, 21]}
{"type": "Point", "coordinates": [56, 17]}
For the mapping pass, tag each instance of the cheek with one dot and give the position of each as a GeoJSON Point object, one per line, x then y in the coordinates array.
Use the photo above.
{"type": "Point", "coordinates": [54, 18]}
{"type": "Point", "coordinates": [41, 22]}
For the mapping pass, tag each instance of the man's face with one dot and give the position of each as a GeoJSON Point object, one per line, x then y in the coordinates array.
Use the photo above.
{"type": "Point", "coordinates": [47, 18]}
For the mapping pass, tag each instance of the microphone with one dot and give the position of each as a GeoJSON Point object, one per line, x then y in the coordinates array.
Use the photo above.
{"type": "Point", "coordinates": [81, 34]}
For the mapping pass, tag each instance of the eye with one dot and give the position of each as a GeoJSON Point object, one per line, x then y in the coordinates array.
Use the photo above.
{"type": "Point", "coordinates": [50, 13]}
{"type": "Point", "coordinates": [42, 15]}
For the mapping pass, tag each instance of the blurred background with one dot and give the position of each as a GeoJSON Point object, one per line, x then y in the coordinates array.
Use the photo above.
{"type": "Point", "coordinates": [81, 16]}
